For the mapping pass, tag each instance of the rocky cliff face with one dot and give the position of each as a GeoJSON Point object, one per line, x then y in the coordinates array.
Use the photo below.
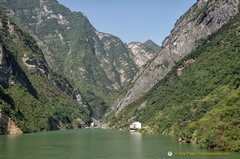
{"type": "Point", "coordinates": [99, 65]}
{"type": "Point", "coordinates": [141, 53]}
{"type": "Point", "coordinates": [96, 63]}
{"type": "Point", "coordinates": [200, 91]}
{"type": "Point", "coordinates": [7, 126]}
{"type": "Point", "coordinates": [201, 20]}
{"type": "Point", "coordinates": [152, 46]}
{"type": "Point", "coordinates": [32, 97]}
{"type": "Point", "coordinates": [114, 57]}
{"type": "Point", "coordinates": [4, 73]}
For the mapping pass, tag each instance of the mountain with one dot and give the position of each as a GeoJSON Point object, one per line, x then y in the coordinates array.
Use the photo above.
{"type": "Point", "coordinates": [33, 97]}
{"type": "Point", "coordinates": [143, 53]}
{"type": "Point", "coordinates": [201, 20]}
{"type": "Point", "coordinates": [198, 96]}
{"type": "Point", "coordinates": [100, 65]}
{"type": "Point", "coordinates": [69, 72]}
{"type": "Point", "coordinates": [152, 46]}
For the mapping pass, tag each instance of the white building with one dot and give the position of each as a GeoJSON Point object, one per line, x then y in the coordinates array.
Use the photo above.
{"type": "Point", "coordinates": [136, 125]}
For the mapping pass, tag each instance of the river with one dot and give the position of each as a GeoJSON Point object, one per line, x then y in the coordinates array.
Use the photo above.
{"type": "Point", "coordinates": [101, 144]}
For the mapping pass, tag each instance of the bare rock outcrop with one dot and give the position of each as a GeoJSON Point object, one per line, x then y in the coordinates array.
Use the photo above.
{"type": "Point", "coordinates": [7, 126]}
{"type": "Point", "coordinates": [201, 20]}
{"type": "Point", "coordinates": [140, 53]}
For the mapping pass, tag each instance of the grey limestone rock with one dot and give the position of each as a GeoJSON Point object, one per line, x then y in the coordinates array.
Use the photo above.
{"type": "Point", "coordinates": [201, 20]}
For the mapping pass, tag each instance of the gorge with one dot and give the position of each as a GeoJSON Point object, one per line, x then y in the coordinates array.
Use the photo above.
{"type": "Point", "coordinates": [59, 72]}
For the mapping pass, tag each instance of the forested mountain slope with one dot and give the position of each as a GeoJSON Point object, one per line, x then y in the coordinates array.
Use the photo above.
{"type": "Point", "coordinates": [190, 89]}
{"type": "Point", "coordinates": [199, 99]}
{"type": "Point", "coordinates": [98, 64]}
{"type": "Point", "coordinates": [202, 19]}
{"type": "Point", "coordinates": [32, 97]}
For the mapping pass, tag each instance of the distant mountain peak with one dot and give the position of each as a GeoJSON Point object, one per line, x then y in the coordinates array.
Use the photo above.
{"type": "Point", "coordinates": [149, 41]}
{"type": "Point", "coordinates": [152, 45]}
{"type": "Point", "coordinates": [142, 53]}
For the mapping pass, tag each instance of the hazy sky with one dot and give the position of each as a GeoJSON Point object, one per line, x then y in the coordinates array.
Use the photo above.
{"type": "Point", "coordinates": [132, 20]}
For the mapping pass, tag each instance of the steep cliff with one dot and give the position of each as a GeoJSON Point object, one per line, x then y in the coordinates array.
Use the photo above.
{"type": "Point", "coordinates": [143, 53]}
{"type": "Point", "coordinates": [32, 97]}
{"type": "Point", "coordinates": [98, 64]}
{"type": "Point", "coordinates": [198, 100]}
{"type": "Point", "coordinates": [201, 20]}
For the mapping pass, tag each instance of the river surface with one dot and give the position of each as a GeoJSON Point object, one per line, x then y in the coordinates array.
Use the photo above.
{"type": "Point", "coordinates": [101, 144]}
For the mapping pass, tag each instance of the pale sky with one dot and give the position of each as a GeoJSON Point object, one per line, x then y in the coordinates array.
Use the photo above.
{"type": "Point", "coordinates": [132, 20]}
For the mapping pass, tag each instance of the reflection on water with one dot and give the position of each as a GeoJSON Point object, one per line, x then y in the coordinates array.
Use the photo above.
{"type": "Point", "coordinates": [100, 144]}
{"type": "Point", "coordinates": [10, 143]}
{"type": "Point", "coordinates": [136, 144]}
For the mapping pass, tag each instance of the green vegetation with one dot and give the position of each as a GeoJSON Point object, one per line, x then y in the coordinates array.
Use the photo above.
{"type": "Point", "coordinates": [219, 128]}
{"type": "Point", "coordinates": [73, 49]}
{"type": "Point", "coordinates": [201, 105]}
{"type": "Point", "coordinates": [207, 90]}
{"type": "Point", "coordinates": [28, 96]}
{"type": "Point", "coordinates": [165, 64]}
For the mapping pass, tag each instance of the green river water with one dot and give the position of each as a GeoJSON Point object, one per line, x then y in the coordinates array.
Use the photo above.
{"type": "Point", "coordinates": [101, 144]}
